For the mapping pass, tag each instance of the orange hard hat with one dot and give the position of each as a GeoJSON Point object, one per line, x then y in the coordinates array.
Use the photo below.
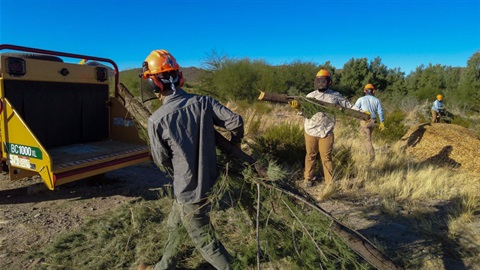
{"type": "Point", "coordinates": [440, 97]}
{"type": "Point", "coordinates": [323, 73]}
{"type": "Point", "coordinates": [159, 61]}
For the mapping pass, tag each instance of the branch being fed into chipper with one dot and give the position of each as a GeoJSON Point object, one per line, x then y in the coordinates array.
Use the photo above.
{"type": "Point", "coordinates": [310, 106]}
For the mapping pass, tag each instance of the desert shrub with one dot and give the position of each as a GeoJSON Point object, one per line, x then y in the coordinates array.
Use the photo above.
{"type": "Point", "coordinates": [259, 107]}
{"type": "Point", "coordinates": [284, 142]}
{"type": "Point", "coordinates": [262, 107]}
{"type": "Point", "coordinates": [395, 128]}
{"type": "Point", "coordinates": [131, 80]}
{"type": "Point", "coordinates": [458, 120]}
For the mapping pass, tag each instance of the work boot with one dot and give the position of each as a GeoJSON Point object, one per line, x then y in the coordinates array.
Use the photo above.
{"type": "Point", "coordinates": [309, 182]}
{"type": "Point", "coordinates": [144, 266]}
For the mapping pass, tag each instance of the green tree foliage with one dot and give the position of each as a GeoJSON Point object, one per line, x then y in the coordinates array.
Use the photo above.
{"type": "Point", "coordinates": [228, 78]}
{"type": "Point", "coordinates": [236, 79]}
{"type": "Point", "coordinates": [452, 79]}
{"type": "Point", "coordinates": [241, 79]}
{"type": "Point", "coordinates": [298, 77]}
{"type": "Point", "coordinates": [395, 82]}
{"type": "Point", "coordinates": [377, 75]}
{"type": "Point", "coordinates": [356, 73]}
{"type": "Point", "coordinates": [469, 86]}
{"type": "Point", "coordinates": [270, 79]}
{"type": "Point", "coordinates": [352, 76]}
{"type": "Point", "coordinates": [427, 82]}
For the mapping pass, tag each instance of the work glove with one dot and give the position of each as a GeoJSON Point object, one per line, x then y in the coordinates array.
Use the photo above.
{"type": "Point", "coordinates": [366, 112]}
{"type": "Point", "coordinates": [294, 105]}
{"type": "Point", "coordinates": [381, 127]}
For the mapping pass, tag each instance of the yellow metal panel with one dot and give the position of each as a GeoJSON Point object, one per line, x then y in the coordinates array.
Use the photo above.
{"type": "Point", "coordinates": [50, 71]}
{"type": "Point", "coordinates": [23, 150]}
{"type": "Point", "coordinates": [122, 124]}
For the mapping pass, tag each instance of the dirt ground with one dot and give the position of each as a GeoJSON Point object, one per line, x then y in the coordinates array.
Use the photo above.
{"type": "Point", "coordinates": [31, 217]}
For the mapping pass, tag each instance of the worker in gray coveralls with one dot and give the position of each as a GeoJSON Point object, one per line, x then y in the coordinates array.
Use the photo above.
{"type": "Point", "coordinates": [182, 140]}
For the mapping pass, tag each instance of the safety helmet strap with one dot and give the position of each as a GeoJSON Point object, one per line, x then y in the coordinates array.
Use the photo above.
{"type": "Point", "coordinates": [162, 83]}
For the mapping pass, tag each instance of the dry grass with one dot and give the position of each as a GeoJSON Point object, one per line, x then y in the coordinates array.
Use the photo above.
{"type": "Point", "coordinates": [435, 194]}
{"type": "Point", "coordinates": [435, 190]}
{"type": "Point", "coordinates": [433, 173]}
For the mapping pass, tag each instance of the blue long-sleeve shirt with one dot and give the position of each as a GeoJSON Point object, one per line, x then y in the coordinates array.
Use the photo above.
{"type": "Point", "coordinates": [437, 105]}
{"type": "Point", "coordinates": [182, 139]}
{"type": "Point", "coordinates": [372, 105]}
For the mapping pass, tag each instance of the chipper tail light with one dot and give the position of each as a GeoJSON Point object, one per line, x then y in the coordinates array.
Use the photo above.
{"type": "Point", "coordinates": [16, 67]}
{"type": "Point", "coordinates": [101, 74]}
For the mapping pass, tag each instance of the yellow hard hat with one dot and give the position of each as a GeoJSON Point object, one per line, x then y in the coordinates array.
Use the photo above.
{"type": "Point", "coordinates": [369, 87]}
{"type": "Point", "coordinates": [440, 97]}
{"type": "Point", "coordinates": [323, 73]}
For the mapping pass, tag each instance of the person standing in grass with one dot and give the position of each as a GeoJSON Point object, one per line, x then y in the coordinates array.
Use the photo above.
{"type": "Point", "coordinates": [318, 130]}
{"type": "Point", "coordinates": [182, 141]}
{"type": "Point", "coordinates": [371, 105]}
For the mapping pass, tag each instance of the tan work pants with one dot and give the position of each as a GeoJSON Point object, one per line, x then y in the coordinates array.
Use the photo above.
{"type": "Point", "coordinates": [367, 129]}
{"type": "Point", "coordinates": [324, 146]}
{"type": "Point", "coordinates": [434, 116]}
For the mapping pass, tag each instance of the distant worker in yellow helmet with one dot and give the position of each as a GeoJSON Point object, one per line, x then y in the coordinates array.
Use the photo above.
{"type": "Point", "coordinates": [182, 142]}
{"type": "Point", "coordinates": [437, 108]}
{"type": "Point", "coordinates": [371, 105]}
{"type": "Point", "coordinates": [318, 130]}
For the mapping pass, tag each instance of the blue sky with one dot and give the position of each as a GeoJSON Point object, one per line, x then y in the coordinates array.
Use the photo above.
{"type": "Point", "coordinates": [404, 34]}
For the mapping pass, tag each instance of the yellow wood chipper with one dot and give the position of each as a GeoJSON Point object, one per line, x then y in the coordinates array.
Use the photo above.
{"type": "Point", "coordinates": [63, 121]}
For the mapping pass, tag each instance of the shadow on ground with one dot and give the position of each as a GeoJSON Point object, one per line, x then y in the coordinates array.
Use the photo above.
{"type": "Point", "coordinates": [144, 181]}
{"type": "Point", "coordinates": [422, 240]}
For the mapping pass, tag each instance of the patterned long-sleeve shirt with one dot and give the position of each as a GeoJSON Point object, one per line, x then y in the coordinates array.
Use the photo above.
{"type": "Point", "coordinates": [322, 124]}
